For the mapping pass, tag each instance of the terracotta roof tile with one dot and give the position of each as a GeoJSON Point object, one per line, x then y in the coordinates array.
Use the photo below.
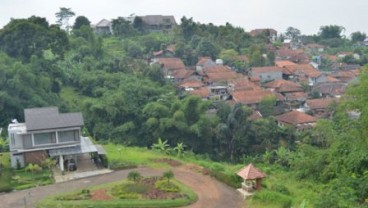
{"type": "Point", "coordinates": [191, 84]}
{"type": "Point", "coordinates": [300, 96]}
{"type": "Point", "coordinates": [217, 69]}
{"type": "Point", "coordinates": [182, 73]}
{"type": "Point", "coordinates": [253, 96]}
{"type": "Point", "coordinates": [284, 86]}
{"type": "Point", "coordinates": [283, 63]}
{"type": "Point", "coordinates": [266, 69]}
{"type": "Point", "coordinates": [250, 172]}
{"type": "Point", "coordinates": [225, 76]}
{"type": "Point", "coordinates": [202, 92]}
{"type": "Point", "coordinates": [320, 103]}
{"type": "Point", "coordinates": [171, 63]}
{"type": "Point", "coordinates": [303, 69]}
{"type": "Point", "coordinates": [295, 117]}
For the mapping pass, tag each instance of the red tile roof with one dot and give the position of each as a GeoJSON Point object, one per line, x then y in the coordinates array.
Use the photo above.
{"type": "Point", "coordinates": [217, 69]}
{"type": "Point", "coordinates": [284, 63]}
{"type": "Point", "coordinates": [253, 96]}
{"type": "Point", "coordinates": [250, 172]}
{"type": "Point", "coordinates": [182, 73]}
{"type": "Point", "coordinates": [171, 63]}
{"type": "Point", "coordinates": [191, 84]}
{"type": "Point", "coordinates": [295, 117]}
{"type": "Point", "coordinates": [243, 84]}
{"type": "Point", "coordinates": [300, 96]}
{"type": "Point", "coordinates": [322, 103]}
{"type": "Point", "coordinates": [284, 86]}
{"type": "Point", "coordinates": [225, 76]}
{"type": "Point", "coordinates": [203, 60]}
{"type": "Point", "coordinates": [202, 92]}
{"type": "Point", "coordinates": [297, 56]}
{"type": "Point", "coordinates": [303, 69]}
{"type": "Point", "coordinates": [266, 69]}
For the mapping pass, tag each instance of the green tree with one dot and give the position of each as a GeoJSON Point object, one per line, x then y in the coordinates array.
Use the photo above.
{"type": "Point", "coordinates": [179, 149]}
{"type": "Point", "coordinates": [122, 27]}
{"type": "Point", "coordinates": [207, 48]}
{"type": "Point", "coordinates": [267, 106]}
{"type": "Point", "coordinates": [162, 146]}
{"type": "Point", "coordinates": [292, 33]}
{"type": "Point", "coordinates": [81, 21]}
{"type": "Point", "coordinates": [168, 175]}
{"type": "Point", "coordinates": [358, 37]}
{"type": "Point", "coordinates": [40, 37]}
{"type": "Point", "coordinates": [63, 16]}
{"type": "Point", "coordinates": [331, 31]}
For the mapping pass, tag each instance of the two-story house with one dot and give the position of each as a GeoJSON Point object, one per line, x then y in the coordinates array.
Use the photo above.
{"type": "Point", "coordinates": [47, 133]}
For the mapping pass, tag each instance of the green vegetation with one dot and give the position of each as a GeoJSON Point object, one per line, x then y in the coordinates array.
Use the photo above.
{"type": "Point", "coordinates": [127, 101]}
{"type": "Point", "coordinates": [31, 176]}
{"type": "Point", "coordinates": [126, 194]}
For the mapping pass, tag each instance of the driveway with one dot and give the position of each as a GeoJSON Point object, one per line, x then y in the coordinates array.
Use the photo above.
{"type": "Point", "coordinates": [211, 193]}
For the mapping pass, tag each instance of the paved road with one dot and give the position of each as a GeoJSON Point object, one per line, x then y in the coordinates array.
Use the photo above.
{"type": "Point", "coordinates": [211, 193]}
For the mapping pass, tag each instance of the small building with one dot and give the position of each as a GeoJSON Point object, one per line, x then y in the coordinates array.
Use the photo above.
{"type": "Point", "coordinates": [48, 133]}
{"type": "Point", "coordinates": [267, 73]}
{"type": "Point", "coordinates": [158, 22]}
{"type": "Point", "coordinates": [320, 107]}
{"type": "Point", "coordinates": [252, 178]}
{"type": "Point", "coordinates": [297, 119]}
{"type": "Point", "coordinates": [103, 27]}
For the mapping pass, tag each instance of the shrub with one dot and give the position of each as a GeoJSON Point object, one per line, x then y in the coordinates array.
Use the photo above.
{"type": "Point", "coordinates": [229, 179]}
{"type": "Point", "coordinates": [34, 168]}
{"type": "Point", "coordinates": [273, 197]}
{"type": "Point", "coordinates": [281, 189]}
{"type": "Point", "coordinates": [163, 185]}
{"type": "Point", "coordinates": [134, 176]}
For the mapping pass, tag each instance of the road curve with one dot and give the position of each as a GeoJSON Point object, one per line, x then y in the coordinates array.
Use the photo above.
{"type": "Point", "coordinates": [211, 193]}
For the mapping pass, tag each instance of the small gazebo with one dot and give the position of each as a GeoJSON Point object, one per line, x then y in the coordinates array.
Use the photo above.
{"type": "Point", "coordinates": [250, 174]}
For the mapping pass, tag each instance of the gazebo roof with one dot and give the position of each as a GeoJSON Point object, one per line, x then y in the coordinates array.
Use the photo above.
{"type": "Point", "coordinates": [250, 172]}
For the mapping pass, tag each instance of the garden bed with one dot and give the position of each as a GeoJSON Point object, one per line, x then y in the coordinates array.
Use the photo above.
{"type": "Point", "coordinates": [146, 192]}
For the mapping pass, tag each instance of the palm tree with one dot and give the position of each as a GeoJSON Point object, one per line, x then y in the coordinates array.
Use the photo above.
{"type": "Point", "coordinates": [180, 149]}
{"type": "Point", "coordinates": [168, 175]}
{"type": "Point", "coordinates": [162, 146]}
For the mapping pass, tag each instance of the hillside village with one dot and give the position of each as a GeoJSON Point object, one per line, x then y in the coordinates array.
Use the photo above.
{"type": "Point", "coordinates": [208, 102]}
{"type": "Point", "coordinates": [302, 93]}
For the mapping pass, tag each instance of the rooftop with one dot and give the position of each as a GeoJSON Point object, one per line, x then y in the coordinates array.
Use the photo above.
{"type": "Point", "coordinates": [50, 118]}
{"type": "Point", "coordinates": [250, 172]}
{"type": "Point", "coordinates": [295, 117]}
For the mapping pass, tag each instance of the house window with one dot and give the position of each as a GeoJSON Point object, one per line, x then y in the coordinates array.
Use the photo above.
{"type": "Point", "coordinates": [68, 136]}
{"type": "Point", "coordinates": [44, 138]}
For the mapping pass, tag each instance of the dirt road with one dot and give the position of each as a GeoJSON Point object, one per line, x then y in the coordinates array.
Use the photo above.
{"type": "Point", "coordinates": [211, 193]}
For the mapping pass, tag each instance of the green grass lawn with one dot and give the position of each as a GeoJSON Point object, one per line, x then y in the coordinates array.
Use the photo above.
{"type": "Point", "coordinates": [120, 156]}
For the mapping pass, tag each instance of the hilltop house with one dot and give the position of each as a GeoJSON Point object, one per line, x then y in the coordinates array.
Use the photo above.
{"type": "Point", "coordinates": [48, 133]}
{"type": "Point", "coordinates": [103, 27]}
{"type": "Point", "coordinates": [158, 22]}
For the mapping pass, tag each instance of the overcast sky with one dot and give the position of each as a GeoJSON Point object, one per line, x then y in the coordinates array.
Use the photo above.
{"type": "Point", "coordinates": [306, 15]}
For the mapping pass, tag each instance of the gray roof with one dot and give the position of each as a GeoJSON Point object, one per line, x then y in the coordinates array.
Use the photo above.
{"type": "Point", "coordinates": [50, 118]}
{"type": "Point", "coordinates": [103, 23]}
{"type": "Point", "coordinates": [158, 20]}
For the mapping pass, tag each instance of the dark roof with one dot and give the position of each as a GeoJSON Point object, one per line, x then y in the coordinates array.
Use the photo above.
{"type": "Point", "coordinates": [50, 118]}
{"type": "Point", "coordinates": [158, 20]}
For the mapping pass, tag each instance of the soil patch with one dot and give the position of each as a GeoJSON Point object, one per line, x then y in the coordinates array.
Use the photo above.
{"type": "Point", "coordinates": [100, 194]}
{"type": "Point", "coordinates": [171, 162]}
